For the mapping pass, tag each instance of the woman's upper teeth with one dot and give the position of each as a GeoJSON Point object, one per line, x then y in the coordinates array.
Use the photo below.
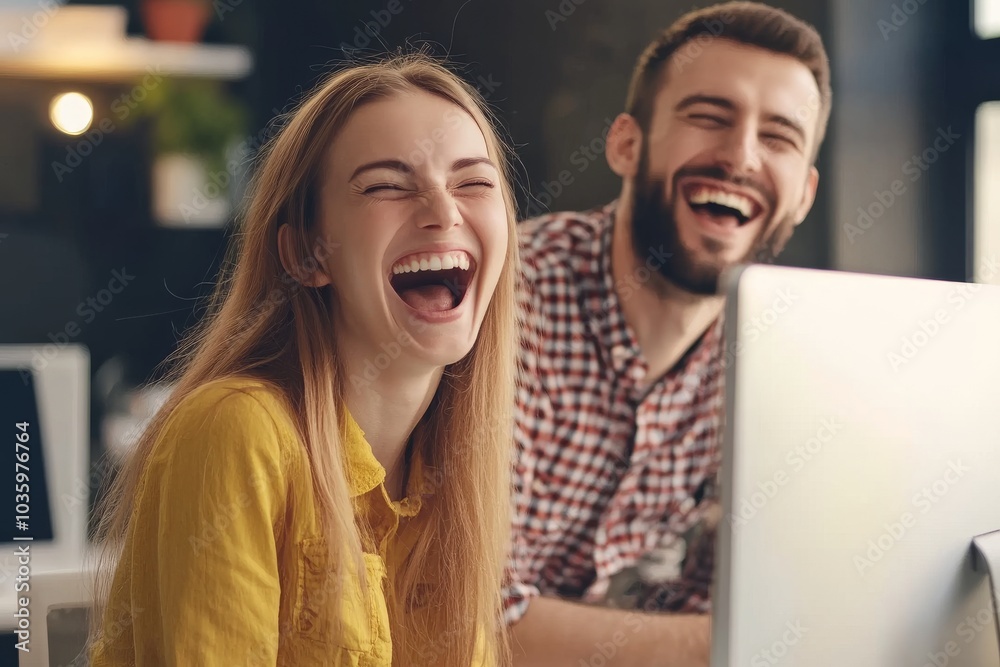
{"type": "Point", "coordinates": [432, 261]}
{"type": "Point", "coordinates": [706, 195]}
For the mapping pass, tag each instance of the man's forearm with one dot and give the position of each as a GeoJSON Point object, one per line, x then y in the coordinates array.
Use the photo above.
{"type": "Point", "coordinates": [558, 633]}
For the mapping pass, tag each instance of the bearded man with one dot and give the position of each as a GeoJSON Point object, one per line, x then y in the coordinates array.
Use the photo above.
{"type": "Point", "coordinates": [619, 407]}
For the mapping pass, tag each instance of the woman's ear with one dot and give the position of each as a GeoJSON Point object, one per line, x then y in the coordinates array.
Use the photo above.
{"type": "Point", "coordinates": [309, 273]}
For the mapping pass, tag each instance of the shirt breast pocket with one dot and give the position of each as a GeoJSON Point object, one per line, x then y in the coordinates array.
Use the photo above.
{"type": "Point", "coordinates": [363, 616]}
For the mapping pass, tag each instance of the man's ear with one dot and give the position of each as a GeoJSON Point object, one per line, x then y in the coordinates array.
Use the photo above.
{"type": "Point", "coordinates": [808, 195]}
{"type": "Point", "coordinates": [308, 273]}
{"type": "Point", "coordinates": [624, 146]}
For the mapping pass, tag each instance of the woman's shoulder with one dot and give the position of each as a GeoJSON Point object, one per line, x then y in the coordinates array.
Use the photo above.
{"type": "Point", "coordinates": [231, 417]}
{"type": "Point", "coordinates": [225, 452]}
{"type": "Point", "coordinates": [238, 394]}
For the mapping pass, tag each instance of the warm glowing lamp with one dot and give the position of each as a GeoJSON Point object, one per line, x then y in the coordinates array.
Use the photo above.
{"type": "Point", "coordinates": [71, 113]}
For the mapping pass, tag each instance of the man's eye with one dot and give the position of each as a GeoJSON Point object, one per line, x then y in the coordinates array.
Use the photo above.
{"type": "Point", "coordinates": [708, 119]}
{"type": "Point", "coordinates": [779, 141]}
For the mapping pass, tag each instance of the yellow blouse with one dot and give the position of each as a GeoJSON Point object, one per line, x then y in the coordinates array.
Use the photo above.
{"type": "Point", "coordinates": [223, 551]}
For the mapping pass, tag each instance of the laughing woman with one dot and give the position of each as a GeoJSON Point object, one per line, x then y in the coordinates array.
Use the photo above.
{"type": "Point", "coordinates": [328, 484]}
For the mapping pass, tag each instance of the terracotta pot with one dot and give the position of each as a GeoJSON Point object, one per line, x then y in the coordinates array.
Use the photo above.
{"type": "Point", "coordinates": [175, 20]}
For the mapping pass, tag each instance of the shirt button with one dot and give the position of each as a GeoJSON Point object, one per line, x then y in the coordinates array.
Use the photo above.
{"type": "Point", "coordinates": [619, 352]}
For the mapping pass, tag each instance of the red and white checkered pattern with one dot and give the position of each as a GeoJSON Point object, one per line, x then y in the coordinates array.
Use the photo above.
{"type": "Point", "coordinates": [604, 471]}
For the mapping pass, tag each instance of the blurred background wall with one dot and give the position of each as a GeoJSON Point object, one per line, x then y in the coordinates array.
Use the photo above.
{"type": "Point", "coordinates": [92, 252]}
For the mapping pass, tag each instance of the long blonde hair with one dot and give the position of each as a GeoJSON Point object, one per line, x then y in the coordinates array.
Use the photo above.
{"type": "Point", "coordinates": [264, 324]}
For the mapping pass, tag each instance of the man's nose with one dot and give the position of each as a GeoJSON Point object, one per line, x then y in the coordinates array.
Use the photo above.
{"type": "Point", "coordinates": [740, 150]}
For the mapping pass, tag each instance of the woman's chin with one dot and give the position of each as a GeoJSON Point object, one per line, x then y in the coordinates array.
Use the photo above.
{"type": "Point", "coordinates": [439, 338]}
{"type": "Point", "coordinates": [442, 350]}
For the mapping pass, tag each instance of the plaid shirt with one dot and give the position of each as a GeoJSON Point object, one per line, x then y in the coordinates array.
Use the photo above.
{"type": "Point", "coordinates": [614, 484]}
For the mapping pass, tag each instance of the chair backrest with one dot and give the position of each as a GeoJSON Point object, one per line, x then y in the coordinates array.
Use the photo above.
{"type": "Point", "coordinates": [59, 604]}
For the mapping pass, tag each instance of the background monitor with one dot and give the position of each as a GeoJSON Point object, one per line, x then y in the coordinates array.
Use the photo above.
{"type": "Point", "coordinates": [47, 387]}
{"type": "Point", "coordinates": [861, 456]}
{"type": "Point", "coordinates": [26, 511]}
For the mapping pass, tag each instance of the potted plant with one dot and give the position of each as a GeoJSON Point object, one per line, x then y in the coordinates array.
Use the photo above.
{"type": "Point", "coordinates": [194, 124]}
{"type": "Point", "coordinates": [176, 20]}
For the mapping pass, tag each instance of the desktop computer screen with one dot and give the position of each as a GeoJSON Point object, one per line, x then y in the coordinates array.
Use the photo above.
{"type": "Point", "coordinates": [26, 512]}
{"type": "Point", "coordinates": [861, 457]}
{"type": "Point", "coordinates": [44, 416]}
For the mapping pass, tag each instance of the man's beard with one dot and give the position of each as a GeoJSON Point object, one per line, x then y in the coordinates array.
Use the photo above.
{"type": "Point", "coordinates": [654, 225]}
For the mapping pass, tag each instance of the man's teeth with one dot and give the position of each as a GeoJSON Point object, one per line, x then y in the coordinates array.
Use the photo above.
{"type": "Point", "coordinates": [711, 196]}
{"type": "Point", "coordinates": [427, 261]}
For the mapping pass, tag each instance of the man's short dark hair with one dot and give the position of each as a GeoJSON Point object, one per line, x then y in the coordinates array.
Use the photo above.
{"type": "Point", "coordinates": [750, 23]}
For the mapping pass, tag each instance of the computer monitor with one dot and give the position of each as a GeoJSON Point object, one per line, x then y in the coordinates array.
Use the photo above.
{"type": "Point", "coordinates": [861, 457]}
{"type": "Point", "coordinates": [44, 414]}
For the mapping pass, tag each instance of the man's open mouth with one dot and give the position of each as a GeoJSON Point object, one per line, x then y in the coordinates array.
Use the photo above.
{"type": "Point", "coordinates": [433, 281]}
{"type": "Point", "coordinates": [725, 207]}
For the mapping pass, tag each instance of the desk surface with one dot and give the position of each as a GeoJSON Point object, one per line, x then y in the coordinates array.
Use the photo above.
{"type": "Point", "coordinates": [41, 563]}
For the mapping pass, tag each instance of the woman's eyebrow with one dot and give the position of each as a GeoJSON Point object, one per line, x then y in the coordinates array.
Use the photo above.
{"type": "Point", "coordinates": [397, 165]}
{"type": "Point", "coordinates": [464, 162]}
{"type": "Point", "coordinates": [404, 168]}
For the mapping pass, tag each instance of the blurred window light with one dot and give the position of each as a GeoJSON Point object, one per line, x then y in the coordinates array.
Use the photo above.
{"type": "Point", "coordinates": [986, 211]}
{"type": "Point", "coordinates": [71, 113]}
{"type": "Point", "coordinates": [987, 18]}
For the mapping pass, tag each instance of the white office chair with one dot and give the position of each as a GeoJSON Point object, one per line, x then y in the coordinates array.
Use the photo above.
{"type": "Point", "coordinates": [59, 606]}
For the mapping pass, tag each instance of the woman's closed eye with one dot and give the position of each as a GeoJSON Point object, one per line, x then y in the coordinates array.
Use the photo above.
{"type": "Point", "coordinates": [396, 190]}
{"type": "Point", "coordinates": [477, 183]}
{"type": "Point", "coordinates": [383, 187]}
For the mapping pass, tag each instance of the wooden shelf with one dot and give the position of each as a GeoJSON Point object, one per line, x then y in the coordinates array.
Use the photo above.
{"type": "Point", "coordinates": [126, 60]}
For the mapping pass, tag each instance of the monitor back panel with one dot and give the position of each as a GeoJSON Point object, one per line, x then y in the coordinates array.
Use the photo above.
{"type": "Point", "coordinates": [861, 456]}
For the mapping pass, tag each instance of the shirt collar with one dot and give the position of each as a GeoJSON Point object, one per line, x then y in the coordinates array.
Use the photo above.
{"type": "Point", "coordinates": [365, 473]}
{"type": "Point", "coordinates": [606, 317]}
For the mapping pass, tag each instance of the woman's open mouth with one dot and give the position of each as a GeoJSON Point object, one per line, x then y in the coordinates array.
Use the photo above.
{"type": "Point", "coordinates": [433, 282]}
